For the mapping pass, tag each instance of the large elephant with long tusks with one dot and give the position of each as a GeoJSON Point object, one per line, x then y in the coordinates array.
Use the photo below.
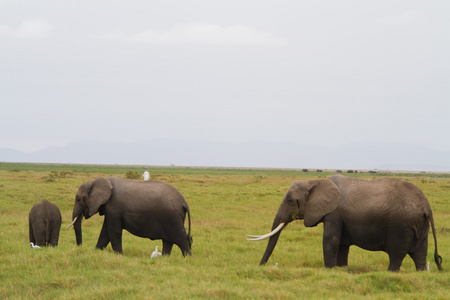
{"type": "Point", "coordinates": [149, 209]}
{"type": "Point", "coordinates": [385, 214]}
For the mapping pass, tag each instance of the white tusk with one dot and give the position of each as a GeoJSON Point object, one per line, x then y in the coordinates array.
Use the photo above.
{"type": "Point", "coordinates": [262, 237]}
{"type": "Point", "coordinates": [72, 222]}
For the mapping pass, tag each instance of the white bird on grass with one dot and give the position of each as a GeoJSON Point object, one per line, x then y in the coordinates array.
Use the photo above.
{"type": "Point", "coordinates": [155, 253]}
{"type": "Point", "coordinates": [34, 246]}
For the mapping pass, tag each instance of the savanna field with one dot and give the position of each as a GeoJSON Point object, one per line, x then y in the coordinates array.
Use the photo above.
{"type": "Point", "coordinates": [225, 206]}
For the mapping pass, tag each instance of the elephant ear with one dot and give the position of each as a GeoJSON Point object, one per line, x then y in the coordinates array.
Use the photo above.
{"type": "Point", "coordinates": [324, 197]}
{"type": "Point", "coordinates": [99, 193]}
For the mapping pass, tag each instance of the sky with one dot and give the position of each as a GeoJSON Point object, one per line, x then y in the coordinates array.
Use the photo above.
{"type": "Point", "coordinates": [310, 72]}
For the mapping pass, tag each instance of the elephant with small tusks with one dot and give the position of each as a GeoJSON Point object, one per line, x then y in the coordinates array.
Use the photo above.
{"type": "Point", "coordinates": [384, 214]}
{"type": "Point", "coordinates": [149, 209]}
{"type": "Point", "coordinates": [44, 223]}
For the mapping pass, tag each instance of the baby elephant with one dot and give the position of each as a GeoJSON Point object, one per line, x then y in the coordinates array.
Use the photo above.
{"type": "Point", "coordinates": [44, 223]}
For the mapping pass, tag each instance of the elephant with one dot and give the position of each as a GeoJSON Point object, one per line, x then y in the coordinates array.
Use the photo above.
{"type": "Point", "coordinates": [44, 224]}
{"type": "Point", "coordinates": [149, 209]}
{"type": "Point", "coordinates": [385, 214]}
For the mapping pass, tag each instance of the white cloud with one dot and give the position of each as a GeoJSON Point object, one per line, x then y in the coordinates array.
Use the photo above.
{"type": "Point", "coordinates": [200, 34]}
{"type": "Point", "coordinates": [28, 29]}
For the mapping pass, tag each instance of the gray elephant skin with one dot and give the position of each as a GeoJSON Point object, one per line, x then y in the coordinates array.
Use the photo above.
{"type": "Point", "coordinates": [148, 209]}
{"type": "Point", "coordinates": [44, 224]}
{"type": "Point", "coordinates": [384, 214]}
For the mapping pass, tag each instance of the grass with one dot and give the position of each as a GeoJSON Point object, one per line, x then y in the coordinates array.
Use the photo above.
{"type": "Point", "coordinates": [225, 206]}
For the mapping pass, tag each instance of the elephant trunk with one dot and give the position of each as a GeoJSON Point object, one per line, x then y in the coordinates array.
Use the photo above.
{"type": "Point", "coordinates": [77, 228]}
{"type": "Point", "coordinates": [273, 239]}
{"type": "Point", "coordinates": [77, 216]}
{"type": "Point", "coordinates": [270, 246]}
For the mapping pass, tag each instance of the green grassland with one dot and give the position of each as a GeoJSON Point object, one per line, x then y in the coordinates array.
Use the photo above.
{"type": "Point", "coordinates": [226, 204]}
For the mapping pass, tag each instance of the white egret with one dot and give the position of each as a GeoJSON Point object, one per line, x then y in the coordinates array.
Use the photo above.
{"type": "Point", "coordinates": [155, 253]}
{"type": "Point", "coordinates": [34, 246]}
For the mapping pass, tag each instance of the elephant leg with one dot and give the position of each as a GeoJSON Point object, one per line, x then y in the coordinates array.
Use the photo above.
{"type": "Point", "coordinates": [395, 261]}
{"type": "Point", "coordinates": [397, 246]}
{"type": "Point", "coordinates": [342, 258]}
{"type": "Point", "coordinates": [330, 251]}
{"type": "Point", "coordinates": [177, 233]}
{"type": "Point", "coordinates": [182, 242]}
{"type": "Point", "coordinates": [39, 233]}
{"type": "Point", "coordinates": [103, 239]}
{"type": "Point", "coordinates": [54, 235]}
{"type": "Point", "coordinates": [114, 228]}
{"type": "Point", "coordinates": [419, 256]}
{"type": "Point", "coordinates": [167, 247]}
{"type": "Point", "coordinates": [184, 247]}
{"type": "Point", "coordinates": [332, 231]}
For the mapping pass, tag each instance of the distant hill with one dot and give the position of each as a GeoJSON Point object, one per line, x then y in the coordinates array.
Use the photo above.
{"type": "Point", "coordinates": [394, 156]}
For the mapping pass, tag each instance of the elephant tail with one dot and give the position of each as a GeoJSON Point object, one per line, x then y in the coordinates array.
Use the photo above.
{"type": "Point", "coordinates": [437, 257]}
{"type": "Point", "coordinates": [189, 237]}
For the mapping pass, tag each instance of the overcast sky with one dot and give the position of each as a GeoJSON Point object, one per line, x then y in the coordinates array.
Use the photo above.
{"type": "Point", "coordinates": [310, 72]}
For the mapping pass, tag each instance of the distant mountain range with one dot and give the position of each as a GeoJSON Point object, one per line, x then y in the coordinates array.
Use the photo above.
{"type": "Point", "coordinates": [367, 156]}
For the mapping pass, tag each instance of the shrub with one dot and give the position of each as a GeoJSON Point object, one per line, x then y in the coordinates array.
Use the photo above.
{"type": "Point", "coordinates": [53, 175]}
{"type": "Point", "coordinates": [132, 175]}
